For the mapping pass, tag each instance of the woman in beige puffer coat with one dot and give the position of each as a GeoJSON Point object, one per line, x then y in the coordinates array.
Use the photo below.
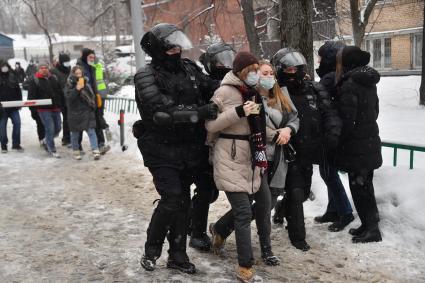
{"type": "Point", "coordinates": [237, 171]}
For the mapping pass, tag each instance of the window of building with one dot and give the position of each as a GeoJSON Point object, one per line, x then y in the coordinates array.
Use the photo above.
{"type": "Point", "coordinates": [417, 50]}
{"type": "Point", "coordinates": [380, 51]}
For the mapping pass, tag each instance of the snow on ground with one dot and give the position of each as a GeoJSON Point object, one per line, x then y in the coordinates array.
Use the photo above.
{"type": "Point", "coordinates": [63, 220]}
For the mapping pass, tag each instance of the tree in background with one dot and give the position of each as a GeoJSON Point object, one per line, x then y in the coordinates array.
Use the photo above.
{"type": "Point", "coordinates": [247, 7]}
{"type": "Point", "coordinates": [360, 18]}
{"type": "Point", "coordinates": [296, 28]}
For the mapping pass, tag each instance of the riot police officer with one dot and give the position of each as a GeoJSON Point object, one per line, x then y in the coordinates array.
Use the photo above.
{"type": "Point", "coordinates": [172, 95]}
{"type": "Point", "coordinates": [320, 127]}
{"type": "Point", "coordinates": [218, 60]}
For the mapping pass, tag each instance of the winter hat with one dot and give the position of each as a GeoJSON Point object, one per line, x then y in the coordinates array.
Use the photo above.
{"type": "Point", "coordinates": [353, 56]}
{"type": "Point", "coordinates": [43, 63]}
{"type": "Point", "coordinates": [328, 51]}
{"type": "Point", "coordinates": [242, 60]}
{"type": "Point", "coordinates": [86, 52]}
{"type": "Point", "coordinates": [63, 57]}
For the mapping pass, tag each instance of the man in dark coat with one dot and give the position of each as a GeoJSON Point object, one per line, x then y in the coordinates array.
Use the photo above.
{"type": "Point", "coordinates": [10, 91]}
{"type": "Point", "coordinates": [359, 152]}
{"type": "Point", "coordinates": [61, 71]}
{"type": "Point", "coordinates": [172, 95]}
{"type": "Point", "coordinates": [44, 85]}
{"type": "Point", "coordinates": [20, 73]}
{"type": "Point", "coordinates": [31, 69]}
{"type": "Point", "coordinates": [339, 209]}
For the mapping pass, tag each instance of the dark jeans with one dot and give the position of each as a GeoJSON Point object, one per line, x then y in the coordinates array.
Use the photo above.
{"type": "Point", "coordinates": [100, 124]}
{"type": "Point", "coordinates": [363, 193]}
{"type": "Point", "coordinates": [52, 125]}
{"type": "Point", "coordinates": [337, 198]}
{"type": "Point", "coordinates": [16, 131]}
{"type": "Point", "coordinates": [66, 134]}
{"type": "Point", "coordinates": [171, 213]}
{"type": "Point", "coordinates": [40, 128]}
{"type": "Point", "coordinates": [265, 200]}
{"type": "Point", "coordinates": [205, 193]}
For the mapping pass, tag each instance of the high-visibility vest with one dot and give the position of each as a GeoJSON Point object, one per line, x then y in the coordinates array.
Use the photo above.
{"type": "Point", "coordinates": [100, 83]}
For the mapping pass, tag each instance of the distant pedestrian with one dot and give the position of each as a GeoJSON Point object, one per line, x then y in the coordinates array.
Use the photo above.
{"type": "Point", "coordinates": [20, 73]}
{"type": "Point", "coordinates": [31, 69]}
{"type": "Point", "coordinates": [81, 105]}
{"type": "Point", "coordinates": [44, 85]}
{"type": "Point", "coordinates": [10, 91]}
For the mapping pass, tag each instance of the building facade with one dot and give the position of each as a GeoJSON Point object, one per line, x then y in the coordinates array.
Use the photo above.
{"type": "Point", "coordinates": [6, 47]}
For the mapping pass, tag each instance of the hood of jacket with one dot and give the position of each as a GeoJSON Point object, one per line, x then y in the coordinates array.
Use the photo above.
{"type": "Point", "coordinates": [363, 75]}
{"type": "Point", "coordinates": [231, 79]}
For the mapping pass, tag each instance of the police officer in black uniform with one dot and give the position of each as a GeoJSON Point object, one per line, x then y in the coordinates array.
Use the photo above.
{"type": "Point", "coordinates": [319, 130]}
{"type": "Point", "coordinates": [172, 95]}
{"type": "Point", "coordinates": [218, 60]}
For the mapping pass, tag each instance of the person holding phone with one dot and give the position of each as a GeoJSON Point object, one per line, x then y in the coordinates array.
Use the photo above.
{"type": "Point", "coordinates": [81, 105]}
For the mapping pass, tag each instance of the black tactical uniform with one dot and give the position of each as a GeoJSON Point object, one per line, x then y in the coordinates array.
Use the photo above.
{"type": "Point", "coordinates": [319, 127]}
{"type": "Point", "coordinates": [172, 95]}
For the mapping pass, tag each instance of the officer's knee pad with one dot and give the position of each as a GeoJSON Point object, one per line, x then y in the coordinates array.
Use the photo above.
{"type": "Point", "coordinates": [172, 203]}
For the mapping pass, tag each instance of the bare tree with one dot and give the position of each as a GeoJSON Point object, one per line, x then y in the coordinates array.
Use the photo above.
{"type": "Point", "coordinates": [297, 29]}
{"type": "Point", "coordinates": [250, 27]}
{"type": "Point", "coordinates": [360, 18]}
{"type": "Point", "coordinates": [422, 88]}
{"type": "Point", "coordinates": [41, 10]}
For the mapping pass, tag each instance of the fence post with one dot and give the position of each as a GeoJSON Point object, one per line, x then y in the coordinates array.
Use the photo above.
{"type": "Point", "coordinates": [411, 159]}
{"type": "Point", "coordinates": [395, 157]}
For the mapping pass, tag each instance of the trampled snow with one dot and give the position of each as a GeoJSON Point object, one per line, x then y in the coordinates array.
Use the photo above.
{"type": "Point", "coordinates": [86, 221]}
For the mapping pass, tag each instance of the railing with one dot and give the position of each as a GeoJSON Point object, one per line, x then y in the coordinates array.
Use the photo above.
{"type": "Point", "coordinates": [411, 147]}
{"type": "Point", "coordinates": [115, 104]}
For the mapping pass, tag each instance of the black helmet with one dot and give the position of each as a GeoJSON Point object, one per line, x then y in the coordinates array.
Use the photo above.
{"type": "Point", "coordinates": [287, 57]}
{"type": "Point", "coordinates": [163, 37]}
{"type": "Point", "coordinates": [218, 56]}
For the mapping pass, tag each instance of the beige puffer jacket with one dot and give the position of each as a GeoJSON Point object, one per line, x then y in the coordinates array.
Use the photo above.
{"type": "Point", "coordinates": [231, 174]}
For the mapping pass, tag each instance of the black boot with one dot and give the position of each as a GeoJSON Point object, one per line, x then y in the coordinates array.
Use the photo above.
{"type": "Point", "coordinates": [371, 234]}
{"type": "Point", "coordinates": [295, 218]}
{"type": "Point", "coordinates": [202, 243]}
{"type": "Point", "coordinates": [148, 264]}
{"type": "Point", "coordinates": [280, 212]}
{"type": "Point", "coordinates": [301, 245]}
{"type": "Point", "coordinates": [183, 266]}
{"type": "Point", "coordinates": [357, 231]}
{"type": "Point", "coordinates": [327, 217]}
{"type": "Point", "coordinates": [268, 257]}
{"type": "Point", "coordinates": [342, 222]}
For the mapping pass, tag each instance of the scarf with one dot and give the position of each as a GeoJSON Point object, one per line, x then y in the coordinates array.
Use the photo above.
{"type": "Point", "coordinates": [257, 125]}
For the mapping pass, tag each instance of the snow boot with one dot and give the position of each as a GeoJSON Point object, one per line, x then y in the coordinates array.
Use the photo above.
{"type": "Point", "coordinates": [55, 154]}
{"type": "Point", "coordinates": [18, 148]}
{"type": "Point", "coordinates": [202, 243]}
{"type": "Point", "coordinates": [269, 258]}
{"type": "Point", "coordinates": [327, 217]}
{"type": "Point", "coordinates": [371, 234]}
{"type": "Point", "coordinates": [357, 231]}
{"type": "Point", "coordinates": [147, 263]}
{"type": "Point", "coordinates": [104, 149]}
{"type": "Point", "coordinates": [245, 274]}
{"type": "Point", "coordinates": [301, 245]}
{"type": "Point", "coordinates": [342, 222]}
{"type": "Point", "coordinates": [279, 212]}
{"type": "Point", "coordinates": [77, 155]}
{"type": "Point", "coordinates": [96, 154]}
{"type": "Point", "coordinates": [184, 266]}
{"type": "Point", "coordinates": [217, 241]}
{"type": "Point", "coordinates": [3, 148]}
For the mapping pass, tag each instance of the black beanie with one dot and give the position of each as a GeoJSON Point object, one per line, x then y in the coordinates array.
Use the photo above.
{"type": "Point", "coordinates": [242, 60]}
{"type": "Point", "coordinates": [63, 57]}
{"type": "Point", "coordinates": [86, 52]}
{"type": "Point", "coordinates": [353, 56]}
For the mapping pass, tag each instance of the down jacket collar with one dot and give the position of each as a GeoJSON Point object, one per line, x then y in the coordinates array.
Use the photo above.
{"type": "Point", "coordinates": [231, 79]}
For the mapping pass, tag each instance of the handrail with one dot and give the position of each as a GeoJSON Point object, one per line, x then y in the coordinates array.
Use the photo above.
{"type": "Point", "coordinates": [397, 145]}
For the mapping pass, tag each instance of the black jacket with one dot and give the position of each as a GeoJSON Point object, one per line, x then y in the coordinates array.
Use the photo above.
{"type": "Point", "coordinates": [20, 73]}
{"type": "Point", "coordinates": [62, 75]}
{"type": "Point", "coordinates": [45, 88]}
{"type": "Point", "coordinates": [358, 107]}
{"type": "Point", "coordinates": [9, 88]}
{"type": "Point", "coordinates": [81, 106]}
{"type": "Point", "coordinates": [160, 90]}
{"type": "Point", "coordinates": [320, 126]}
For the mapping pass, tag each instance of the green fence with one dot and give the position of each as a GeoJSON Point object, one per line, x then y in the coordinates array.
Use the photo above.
{"type": "Point", "coordinates": [410, 147]}
{"type": "Point", "coordinates": [115, 104]}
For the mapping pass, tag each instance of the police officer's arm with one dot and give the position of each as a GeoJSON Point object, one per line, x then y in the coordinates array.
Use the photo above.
{"type": "Point", "coordinates": [293, 120]}
{"type": "Point", "coordinates": [332, 123]}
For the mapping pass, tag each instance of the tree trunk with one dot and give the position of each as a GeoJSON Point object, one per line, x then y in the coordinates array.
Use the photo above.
{"type": "Point", "coordinates": [117, 23]}
{"type": "Point", "coordinates": [250, 28]}
{"type": "Point", "coordinates": [358, 24]}
{"type": "Point", "coordinates": [297, 29]}
{"type": "Point", "coordinates": [422, 88]}
{"type": "Point", "coordinates": [49, 41]}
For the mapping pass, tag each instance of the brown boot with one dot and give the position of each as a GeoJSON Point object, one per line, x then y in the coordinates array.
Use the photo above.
{"type": "Point", "coordinates": [245, 274]}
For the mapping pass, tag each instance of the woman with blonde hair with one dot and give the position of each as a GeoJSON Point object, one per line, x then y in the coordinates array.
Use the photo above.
{"type": "Point", "coordinates": [239, 153]}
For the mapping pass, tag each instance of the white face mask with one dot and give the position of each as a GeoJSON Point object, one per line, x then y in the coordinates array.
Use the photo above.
{"type": "Point", "coordinates": [4, 69]}
{"type": "Point", "coordinates": [91, 63]}
{"type": "Point", "coordinates": [267, 82]}
{"type": "Point", "coordinates": [67, 64]}
{"type": "Point", "coordinates": [252, 78]}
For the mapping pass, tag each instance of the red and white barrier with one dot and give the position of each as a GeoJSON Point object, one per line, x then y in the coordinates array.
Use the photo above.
{"type": "Point", "coordinates": [25, 103]}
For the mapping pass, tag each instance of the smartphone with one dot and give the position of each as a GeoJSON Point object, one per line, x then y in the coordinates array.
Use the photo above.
{"type": "Point", "coordinates": [256, 110]}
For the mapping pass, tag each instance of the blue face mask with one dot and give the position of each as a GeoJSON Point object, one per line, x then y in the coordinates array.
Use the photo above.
{"type": "Point", "coordinates": [267, 82]}
{"type": "Point", "coordinates": [252, 78]}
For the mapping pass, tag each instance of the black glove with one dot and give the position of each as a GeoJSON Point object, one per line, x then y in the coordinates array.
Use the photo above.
{"type": "Point", "coordinates": [162, 118]}
{"type": "Point", "coordinates": [138, 129]}
{"type": "Point", "coordinates": [208, 111]}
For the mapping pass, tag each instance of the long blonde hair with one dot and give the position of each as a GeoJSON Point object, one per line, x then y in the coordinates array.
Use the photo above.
{"type": "Point", "coordinates": [275, 94]}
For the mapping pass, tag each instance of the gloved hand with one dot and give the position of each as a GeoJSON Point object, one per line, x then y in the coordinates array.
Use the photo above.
{"type": "Point", "coordinates": [208, 111]}
{"type": "Point", "coordinates": [162, 118]}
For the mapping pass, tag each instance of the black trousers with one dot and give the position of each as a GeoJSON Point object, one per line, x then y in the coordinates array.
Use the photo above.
{"type": "Point", "coordinates": [171, 214]}
{"type": "Point", "coordinates": [66, 135]}
{"type": "Point", "coordinates": [40, 127]}
{"type": "Point", "coordinates": [363, 193]}
{"type": "Point", "coordinates": [100, 124]}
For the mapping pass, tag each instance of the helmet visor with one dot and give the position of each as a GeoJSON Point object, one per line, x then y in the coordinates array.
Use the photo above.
{"type": "Point", "coordinates": [224, 59]}
{"type": "Point", "coordinates": [178, 38]}
{"type": "Point", "coordinates": [293, 59]}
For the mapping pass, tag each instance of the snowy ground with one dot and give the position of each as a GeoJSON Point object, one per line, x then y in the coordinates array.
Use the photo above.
{"type": "Point", "coordinates": [63, 220]}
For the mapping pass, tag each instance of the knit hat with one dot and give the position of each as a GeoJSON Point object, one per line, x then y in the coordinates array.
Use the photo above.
{"type": "Point", "coordinates": [353, 56]}
{"type": "Point", "coordinates": [242, 60]}
{"type": "Point", "coordinates": [63, 57]}
{"type": "Point", "coordinates": [86, 52]}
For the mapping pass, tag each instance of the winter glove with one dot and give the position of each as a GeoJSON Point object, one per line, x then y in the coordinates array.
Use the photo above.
{"type": "Point", "coordinates": [138, 129]}
{"type": "Point", "coordinates": [208, 111]}
{"type": "Point", "coordinates": [162, 118]}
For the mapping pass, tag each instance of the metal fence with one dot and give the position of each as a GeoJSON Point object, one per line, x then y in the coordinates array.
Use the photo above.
{"type": "Point", "coordinates": [115, 104]}
{"type": "Point", "coordinates": [410, 147]}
